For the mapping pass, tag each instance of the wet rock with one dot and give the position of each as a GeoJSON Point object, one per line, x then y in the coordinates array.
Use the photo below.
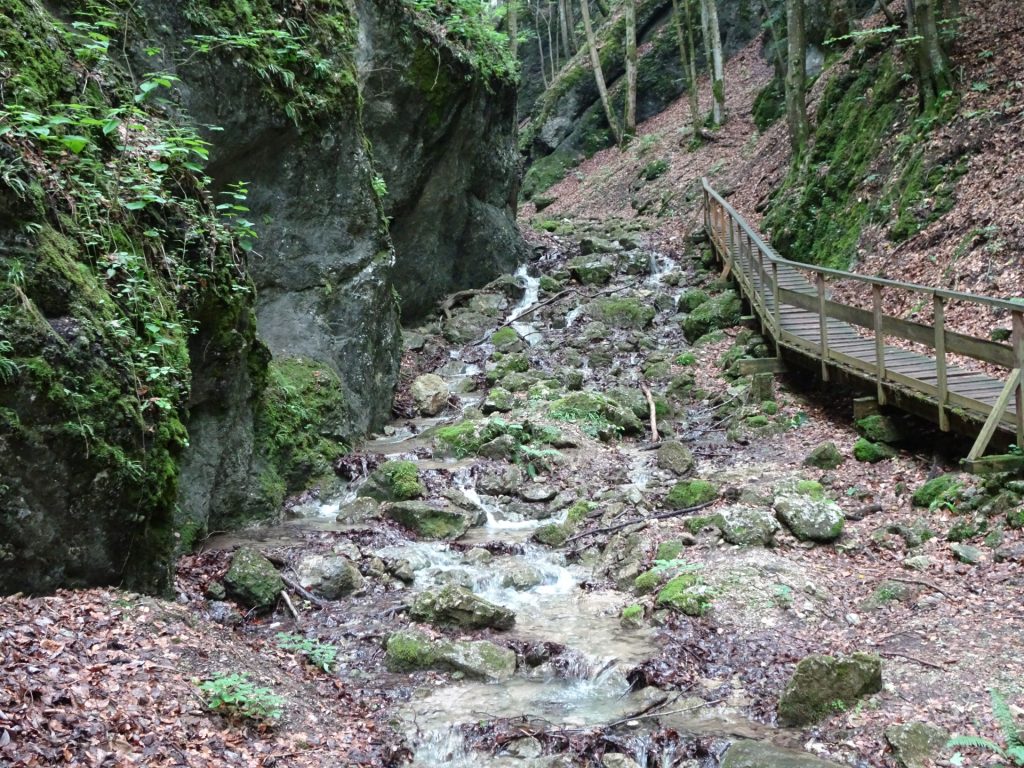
{"type": "Point", "coordinates": [411, 650]}
{"type": "Point", "coordinates": [465, 327]}
{"type": "Point", "coordinates": [810, 519]}
{"type": "Point", "coordinates": [477, 556]}
{"type": "Point", "coordinates": [430, 521]}
{"type": "Point", "coordinates": [522, 577]}
{"type": "Point", "coordinates": [393, 481]}
{"type": "Point", "coordinates": [253, 580]}
{"type": "Point", "coordinates": [430, 394]}
{"type": "Point", "coordinates": [503, 480]}
{"type": "Point", "coordinates": [552, 535]}
{"type": "Point", "coordinates": [618, 760]}
{"type": "Point", "coordinates": [824, 456]}
{"type": "Point", "coordinates": [359, 510]}
{"type": "Point", "coordinates": [915, 745]}
{"type": "Point", "coordinates": [330, 576]}
{"type": "Point", "coordinates": [819, 682]}
{"type": "Point", "coordinates": [524, 748]}
{"type": "Point", "coordinates": [619, 312]}
{"type": "Point", "coordinates": [675, 457]}
{"type": "Point", "coordinates": [759, 754]}
{"type": "Point", "coordinates": [722, 311]}
{"type": "Point", "coordinates": [498, 400]}
{"type": "Point", "coordinates": [454, 605]}
{"type": "Point", "coordinates": [506, 340]}
{"type": "Point", "coordinates": [590, 245]}
{"type": "Point", "coordinates": [501, 447]}
{"type": "Point", "coordinates": [537, 493]}
{"type": "Point", "coordinates": [965, 553]}
{"type": "Point", "coordinates": [224, 613]}
{"type": "Point", "coordinates": [593, 269]}
{"type": "Point", "coordinates": [632, 616]}
{"type": "Point", "coordinates": [747, 526]}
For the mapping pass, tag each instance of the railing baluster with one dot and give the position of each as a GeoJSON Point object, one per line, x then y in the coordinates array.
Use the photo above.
{"type": "Point", "coordinates": [1018, 363]}
{"type": "Point", "coordinates": [939, 313]}
{"type": "Point", "coordinates": [822, 324]}
{"type": "Point", "coordinates": [876, 307]}
{"type": "Point", "coordinates": [776, 311]}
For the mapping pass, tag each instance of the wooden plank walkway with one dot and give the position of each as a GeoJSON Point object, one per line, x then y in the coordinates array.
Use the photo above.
{"type": "Point", "coordinates": [795, 309]}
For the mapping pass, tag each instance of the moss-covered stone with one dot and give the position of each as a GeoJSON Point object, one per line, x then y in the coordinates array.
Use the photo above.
{"type": "Point", "coordinates": [410, 650]}
{"type": "Point", "coordinates": [632, 616]}
{"type": "Point", "coordinates": [668, 550]}
{"type": "Point", "coordinates": [865, 450]}
{"type": "Point", "coordinates": [810, 518]}
{"type": "Point", "coordinates": [824, 456]}
{"type": "Point", "coordinates": [691, 493]}
{"type": "Point", "coordinates": [722, 311]}
{"type": "Point", "coordinates": [879, 428]}
{"type": "Point", "coordinates": [621, 312]}
{"type": "Point", "coordinates": [647, 582]}
{"type": "Point", "coordinates": [820, 682]}
{"type": "Point", "coordinates": [253, 580]}
{"type": "Point", "coordinates": [552, 534]}
{"type": "Point", "coordinates": [685, 593]}
{"type": "Point", "coordinates": [429, 521]}
{"type": "Point", "coordinates": [935, 489]}
{"type": "Point", "coordinates": [457, 606]}
{"type": "Point", "coordinates": [594, 409]}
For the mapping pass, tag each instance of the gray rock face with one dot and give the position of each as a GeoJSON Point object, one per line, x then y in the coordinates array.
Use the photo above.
{"type": "Point", "coordinates": [429, 394]}
{"type": "Point", "coordinates": [810, 519]}
{"type": "Point", "coordinates": [330, 576]}
{"type": "Point", "coordinates": [445, 142]}
{"type": "Point", "coordinates": [747, 526]}
{"type": "Point", "coordinates": [454, 605]}
{"type": "Point", "coordinates": [915, 744]}
{"type": "Point", "coordinates": [758, 754]}
{"type": "Point", "coordinates": [821, 681]}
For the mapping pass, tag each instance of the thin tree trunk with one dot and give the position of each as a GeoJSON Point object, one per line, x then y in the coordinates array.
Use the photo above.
{"type": "Point", "coordinates": [552, 47]}
{"type": "Point", "coordinates": [717, 65]}
{"type": "Point", "coordinates": [603, 7]}
{"type": "Point", "coordinates": [689, 67]}
{"type": "Point", "coordinates": [513, 28]}
{"type": "Point", "coordinates": [780, 62]}
{"type": "Point", "coordinates": [695, 96]}
{"type": "Point", "coordinates": [629, 123]}
{"type": "Point", "coordinates": [706, 33]}
{"type": "Point", "coordinates": [540, 47]}
{"type": "Point", "coordinates": [935, 75]}
{"type": "Point", "coordinates": [796, 76]}
{"type": "Point", "coordinates": [563, 18]}
{"type": "Point", "coordinates": [595, 64]}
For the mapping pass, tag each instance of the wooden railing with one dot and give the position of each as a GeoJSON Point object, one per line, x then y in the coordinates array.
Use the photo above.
{"type": "Point", "coordinates": [774, 285]}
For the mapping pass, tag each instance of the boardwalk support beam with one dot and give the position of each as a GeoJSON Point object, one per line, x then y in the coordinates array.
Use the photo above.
{"type": "Point", "coordinates": [1011, 388]}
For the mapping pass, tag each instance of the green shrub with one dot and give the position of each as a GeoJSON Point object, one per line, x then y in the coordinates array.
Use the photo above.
{"type": "Point", "coordinates": [320, 655]}
{"type": "Point", "coordinates": [237, 696]}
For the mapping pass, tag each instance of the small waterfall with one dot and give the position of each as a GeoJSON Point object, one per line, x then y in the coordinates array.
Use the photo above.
{"type": "Point", "coordinates": [528, 331]}
{"type": "Point", "coordinates": [444, 749]}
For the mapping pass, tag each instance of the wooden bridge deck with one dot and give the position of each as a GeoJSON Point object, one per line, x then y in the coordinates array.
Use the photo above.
{"type": "Point", "coordinates": [795, 309]}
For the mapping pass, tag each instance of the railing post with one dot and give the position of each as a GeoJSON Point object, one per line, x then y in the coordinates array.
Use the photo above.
{"type": "Point", "coordinates": [1018, 363]}
{"type": "Point", "coordinates": [822, 324]}
{"type": "Point", "coordinates": [876, 307]}
{"type": "Point", "coordinates": [939, 315]}
{"type": "Point", "coordinates": [775, 310]}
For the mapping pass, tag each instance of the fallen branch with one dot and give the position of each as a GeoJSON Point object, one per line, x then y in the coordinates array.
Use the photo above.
{"type": "Point", "coordinates": [288, 602]}
{"type": "Point", "coordinates": [666, 714]}
{"type": "Point", "coordinates": [907, 656]}
{"type": "Point", "coordinates": [534, 307]}
{"type": "Point", "coordinates": [305, 593]}
{"type": "Point", "coordinates": [653, 411]}
{"type": "Point", "coordinates": [648, 519]}
{"type": "Point", "coordinates": [922, 582]}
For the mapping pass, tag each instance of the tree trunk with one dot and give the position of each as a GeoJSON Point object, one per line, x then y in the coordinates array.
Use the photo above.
{"type": "Point", "coordinates": [629, 123]}
{"type": "Point", "coordinates": [796, 76]}
{"type": "Point", "coordinates": [603, 7]}
{"type": "Point", "coordinates": [934, 76]}
{"type": "Point", "coordinates": [595, 64]}
{"type": "Point", "coordinates": [718, 65]}
{"type": "Point", "coordinates": [513, 28]}
{"type": "Point", "coordinates": [565, 19]}
{"type": "Point", "coordinates": [552, 46]}
{"type": "Point", "coordinates": [686, 58]}
{"type": "Point", "coordinates": [780, 62]}
{"type": "Point", "coordinates": [540, 45]}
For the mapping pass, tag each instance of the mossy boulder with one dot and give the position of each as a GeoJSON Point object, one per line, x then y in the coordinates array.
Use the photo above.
{"type": "Point", "coordinates": [595, 269]}
{"type": "Point", "coordinates": [632, 616]}
{"type": "Point", "coordinates": [879, 428]}
{"type": "Point", "coordinates": [593, 408]}
{"type": "Point", "coordinates": [675, 457]}
{"type": "Point", "coordinates": [747, 526]}
{"type": "Point", "coordinates": [691, 493]}
{"type": "Point", "coordinates": [872, 453]}
{"type": "Point", "coordinates": [429, 520]}
{"type": "Point", "coordinates": [253, 580]}
{"type": "Point", "coordinates": [498, 400]}
{"type": "Point", "coordinates": [687, 594]}
{"type": "Point", "coordinates": [810, 518]}
{"type": "Point", "coordinates": [552, 534]}
{"type": "Point", "coordinates": [506, 340]}
{"type": "Point", "coordinates": [458, 606]}
{"type": "Point", "coordinates": [935, 489]}
{"type": "Point", "coordinates": [824, 456]}
{"type": "Point", "coordinates": [618, 312]}
{"type": "Point", "coordinates": [410, 650]}
{"type": "Point", "coordinates": [822, 683]}
{"type": "Point", "coordinates": [330, 576]}
{"type": "Point", "coordinates": [393, 481]}
{"type": "Point", "coordinates": [718, 312]}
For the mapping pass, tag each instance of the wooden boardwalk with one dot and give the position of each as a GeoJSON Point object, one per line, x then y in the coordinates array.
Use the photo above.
{"type": "Point", "coordinates": [793, 304]}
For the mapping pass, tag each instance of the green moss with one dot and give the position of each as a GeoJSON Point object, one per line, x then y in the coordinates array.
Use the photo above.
{"type": "Point", "coordinates": [936, 489]}
{"type": "Point", "coordinates": [769, 105]}
{"type": "Point", "coordinates": [404, 478]}
{"type": "Point", "coordinates": [810, 488]}
{"type": "Point", "coordinates": [407, 651]}
{"type": "Point", "coordinates": [686, 594]}
{"type": "Point", "coordinates": [547, 171]}
{"type": "Point", "coordinates": [865, 450]}
{"type": "Point", "coordinates": [504, 337]}
{"type": "Point", "coordinates": [769, 407]}
{"type": "Point", "coordinates": [691, 493]}
{"type": "Point", "coordinates": [622, 313]}
{"type": "Point", "coordinates": [756, 421]}
{"type": "Point", "coordinates": [548, 284]}
{"type": "Point", "coordinates": [669, 550]}
{"type": "Point", "coordinates": [461, 438]}
{"type": "Point", "coordinates": [654, 169]}
{"type": "Point", "coordinates": [647, 581]}
{"type": "Point", "coordinates": [634, 611]}
{"type": "Point", "coordinates": [685, 359]}
{"type": "Point", "coordinates": [552, 535]}
{"type": "Point", "coordinates": [579, 511]}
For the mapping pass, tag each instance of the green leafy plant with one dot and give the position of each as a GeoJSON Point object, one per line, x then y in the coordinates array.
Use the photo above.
{"type": "Point", "coordinates": [237, 696]}
{"type": "Point", "coordinates": [320, 655]}
{"type": "Point", "coordinates": [1014, 749]}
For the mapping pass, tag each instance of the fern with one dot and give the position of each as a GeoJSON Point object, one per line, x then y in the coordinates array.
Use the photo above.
{"type": "Point", "coordinates": [976, 742]}
{"type": "Point", "coordinates": [1005, 718]}
{"type": "Point", "coordinates": [1014, 751]}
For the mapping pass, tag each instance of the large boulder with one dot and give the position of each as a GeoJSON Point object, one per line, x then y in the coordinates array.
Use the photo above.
{"type": "Point", "coordinates": [747, 525]}
{"type": "Point", "coordinates": [721, 311]}
{"type": "Point", "coordinates": [253, 580]}
{"type": "Point", "coordinates": [675, 457]}
{"type": "Point", "coordinates": [330, 576]}
{"type": "Point", "coordinates": [410, 650]}
{"type": "Point", "coordinates": [810, 519]}
{"type": "Point", "coordinates": [915, 745]}
{"type": "Point", "coordinates": [760, 754]}
{"type": "Point", "coordinates": [429, 520]}
{"type": "Point", "coordinates": [458, 606]}
{"type": "Point", "coordinates": [429, 394]}
{"type": "Point", "coordinates": [393, 481]}
{"type": "Point", "coordinates": [821, 683]}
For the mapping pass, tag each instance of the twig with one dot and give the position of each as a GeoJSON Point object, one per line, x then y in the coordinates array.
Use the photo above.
{"type": "Point", "coordinates": [534, 307]}
{"type": "Point", "coordinates": [648, 519]}
{"type": "Point", "coordinates": [304, 592]}
{"type": "Point", "coordinates": [912, 658]}
{"type": "Point", "coordinates": [288, 602]}
{"type": "Point", "coordinates": [655, 437]}
{"type": "Point", "coordinates": [923, 583]}
{"type": "Point", "coordinates": [666, 714]}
